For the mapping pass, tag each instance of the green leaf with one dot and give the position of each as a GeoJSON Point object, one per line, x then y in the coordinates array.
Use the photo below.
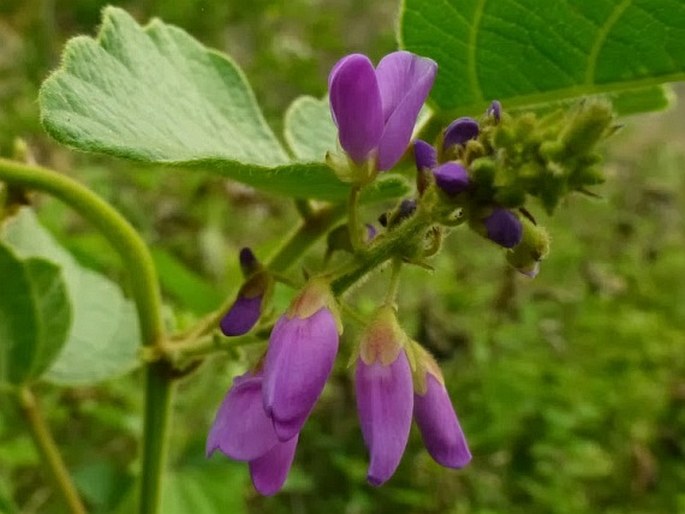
{"type": "Point", "coordinates": [527, 52]}
{"type": "Point", "coordinates": [309, 128]}
{"type": "Point", "coordinates": [54, 312]}
{"type": "Point", "coordinates": [35, 316]}
{"type": "Point", "coordinates": [18, 319]}
{"type": "Point", "coordinates": [104, 337]}
{"type": "Point", "coordinates": [156, 95]}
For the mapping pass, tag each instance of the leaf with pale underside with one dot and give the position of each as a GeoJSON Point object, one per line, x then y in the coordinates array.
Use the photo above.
{"type": "Point", "coordinates": [156, 95]}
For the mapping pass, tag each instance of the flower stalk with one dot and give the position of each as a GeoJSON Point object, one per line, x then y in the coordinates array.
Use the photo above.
{"type": "Point", "coordinates": [30, 409]}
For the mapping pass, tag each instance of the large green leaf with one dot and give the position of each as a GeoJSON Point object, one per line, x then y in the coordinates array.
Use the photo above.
{"type": "Point", "coordinates": [35, 316]}
{"type": "Point", "coordinates": [156, 95]}
{"type": "Point", "coordinates": [104, 337]}
{"type": "Point", "coordinates": [528, 52]}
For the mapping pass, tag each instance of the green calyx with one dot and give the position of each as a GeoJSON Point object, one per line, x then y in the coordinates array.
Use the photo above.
{"type": "Point", "coordinates": [545, 157]}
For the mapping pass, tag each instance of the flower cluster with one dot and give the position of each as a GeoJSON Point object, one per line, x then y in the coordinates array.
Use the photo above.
{"type": "Point", "coordinates": [260, 419]}
{"type": "Point", "coordinates": [461, 178]}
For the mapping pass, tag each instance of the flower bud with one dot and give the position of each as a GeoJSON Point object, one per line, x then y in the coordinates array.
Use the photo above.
{"type": "Point", "coordinates": [451, 177]}
{"type": "Point", "coordinates": [435, 416]}
{"type": "Point", "coordinates": [459, 132]}
{"type": "Point", "coordinates": [500, 226]}
{"type": "Point", "coordinates": [247, 307]}
{"type": "Point", "coordinates": [534, 247]}
{"type": "Point", "coordinates": [384, 391]}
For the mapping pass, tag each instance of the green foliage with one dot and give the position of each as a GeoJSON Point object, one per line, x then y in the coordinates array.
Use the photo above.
{"type": "Point", "coordinates": [35, 316]}
{"type": "Point", "coordinates": [529, 52]}
{"type": "Point", "coordinates": [103, 338]}
{"type": "Point", "coordinates": [156, 95]}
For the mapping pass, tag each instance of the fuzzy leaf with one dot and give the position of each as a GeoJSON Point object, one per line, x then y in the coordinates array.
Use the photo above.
{"type": "Point", "coordinates": [154, 94]}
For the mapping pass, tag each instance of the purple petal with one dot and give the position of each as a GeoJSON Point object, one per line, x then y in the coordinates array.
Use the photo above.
{"type": "Point", "coordinates": [504, 228]}
{"type": "Point", "coordinates": [371, 232]}
{"type": "Point", "coordinates": [269, 471]}
{"type": "Point", "coordinates": [356, 105]}
{"type": "Point", "coordinates": [404, 80]}
{"type": "Point", "coordinates": [426, 156]}
{"type": "Point", "coordinates": [495, 110]}
{"type": "Point", "coordinates": [241, 429]}
{"type": "Point", "coordinates": [299, 359]}
{"type": "Point", "coordinates": [384, 404]}
{"type": "Point", "coordinates": [451, 177]}
{"type": "Point", "coordinates": [460, 131]}
{"type": "Point", "coordinates": [439, 426]}
{"type": "Point", "coordinates": [242, 316]}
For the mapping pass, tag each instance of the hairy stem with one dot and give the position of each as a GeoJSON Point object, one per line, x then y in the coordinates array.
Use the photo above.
{"type": "Point", "coordinates": [45, 443]}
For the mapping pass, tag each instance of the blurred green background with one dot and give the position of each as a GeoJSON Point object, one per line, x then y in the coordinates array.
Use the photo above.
{"type": "Point", "coordinates": [570, 388]}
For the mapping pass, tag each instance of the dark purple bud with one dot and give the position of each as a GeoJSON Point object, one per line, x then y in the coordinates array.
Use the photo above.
{"type": "Point", "coordinates": [495, 110]}
{"type": "Point", "coordinates": [406, 209]}
{"type": "Point", "coordinates": [442, 435]}
{"type": "Point", "coordinates": [242, 316]}
{"type": "Point", "coordinates": [459, 132]}
{"type": "Point", "coordinates": [241, 429]}
{"type": "Point", "coordinates": [504, 228]}
{"type": "Point", "coordinates": [269, 471]}
{"type": "Point", "coordinates": [300, 358]}
{"type": "Point", "coordinates": [425, 155]}
{"type": "Point", "coordinates": [383, 219]}
{"type": "Point", "coordinates": [451, 177]}
{"type": "Point", "coordinates": [248, 262]}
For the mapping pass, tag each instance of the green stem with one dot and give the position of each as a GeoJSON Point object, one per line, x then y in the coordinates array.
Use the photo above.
{"type": "Point", "coordinates": [391, 295]}
{"type": "Point", "coordinates": [114, 227]}
{"type": "Point", "coordinates": [353, 218]}
{"type": "Point", "coordinates": [145, 290]}
{"type": "Point", "coordinates": [48, 449]}
{"type": "Point", "coordinates": [401, 241]}
{"type": "Point", "coordinates": [159, 390]}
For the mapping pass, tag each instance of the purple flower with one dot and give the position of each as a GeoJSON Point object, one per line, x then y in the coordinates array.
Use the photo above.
{"type": "Point", "coordinates": [302, 349]}
{"type": "Point", "coordinates": [451, 176]}
{"type": "Point", "coordinates": [503, 227]}
{"type": "Point", "coordinates": [375, 110]}
{"type": "Point", "coordinates": [459, 132]}
{"type": "Point", "coordinates": [384, 391]}
{"type": "Point", "coordinates": [243, 431]}
{"type": "Point", "coordinates": [442, 435]}
{"type": "Point", "coordinates": [247, 307]}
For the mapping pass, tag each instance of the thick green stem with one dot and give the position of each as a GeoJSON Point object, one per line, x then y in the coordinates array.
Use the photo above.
{"type": "Point", "coordinates": [159, 389]}
{"type": "Point", "coordinates": [114, 227]}
{"type": "Point", "coordinates": [49, 451]}
{"type": "Point", "coordinates": [145, 290]}
{"type": "Point", "coordinates": [393, 287]}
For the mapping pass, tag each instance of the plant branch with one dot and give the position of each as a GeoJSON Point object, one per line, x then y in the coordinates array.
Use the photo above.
{"type": "Point", "coordinates": [47, 447]}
